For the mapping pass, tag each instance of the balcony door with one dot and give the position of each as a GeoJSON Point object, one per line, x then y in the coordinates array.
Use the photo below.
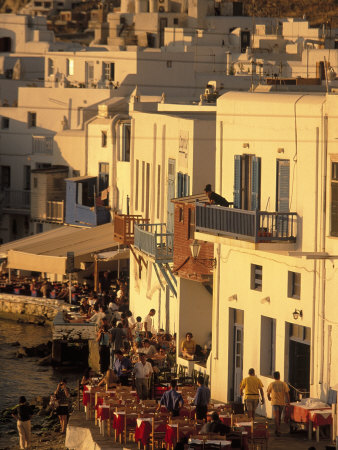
{"type": "Point", "coordinates": [171, 194]}
{"type": "Point", "coordinates": [89, 73]}
{"type": "Point", "coordinates": [283, 195]}
{"type": "Point", "coordinates": [247, 182]}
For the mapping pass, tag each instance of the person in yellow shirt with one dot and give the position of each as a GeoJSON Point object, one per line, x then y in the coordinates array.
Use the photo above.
{"type": "Point", "coordinates": [251, 387]}
{"type": "Point", "coordinates": [278, 394]}
{"type": "Point", "coordinates": [188, 347]}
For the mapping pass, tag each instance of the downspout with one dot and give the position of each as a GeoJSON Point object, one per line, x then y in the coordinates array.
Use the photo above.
{"type": "Point", "coordinates": [113, 183]}
{"type": "Point", "coordinates": [323, 262]}
{"type": "Point", "coordinates": [216, 311]}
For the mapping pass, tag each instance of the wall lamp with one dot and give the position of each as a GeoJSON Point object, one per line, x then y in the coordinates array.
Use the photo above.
{"type": "Point", "coordinates": [297, 313]}
{"type": "Point", "coordinates": [233, 298]}
{"type": "Point", "coordinates": [265, 300]}
{"type": "Point", "coordinates": [280, 150]}
{"type": "Point", "coordinates": [195, 248]}
{"type": "Point", "coordinates": [246, 145]}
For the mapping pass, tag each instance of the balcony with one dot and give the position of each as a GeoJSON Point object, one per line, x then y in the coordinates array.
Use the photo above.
{"type": "Point", "coordinates": [154, 240]}
{"type": "Point", "coordinates": [253, 226]}
{"type": "Point", "coordinates": [17, 200]}
{"type": "Point", "coordinates": [55, 212]}
{"type": "Point", "coordinates": [124, 227]}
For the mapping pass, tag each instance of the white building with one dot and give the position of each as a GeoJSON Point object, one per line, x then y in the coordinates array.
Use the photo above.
{"type": "Point", "coordinates": [273, 296]}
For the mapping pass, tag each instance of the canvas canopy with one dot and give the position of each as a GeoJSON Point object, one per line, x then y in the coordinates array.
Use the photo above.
{"type": "Point", "coordinates": [47, 252]}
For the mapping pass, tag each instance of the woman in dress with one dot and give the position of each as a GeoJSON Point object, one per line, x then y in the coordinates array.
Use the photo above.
{"type": "Point", "coordinates": [62, 395]}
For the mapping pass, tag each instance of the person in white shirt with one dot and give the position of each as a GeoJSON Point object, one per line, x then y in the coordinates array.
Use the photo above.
{"type": "Point", "coordinates": [131, 322]}
{"type": "Point", "coordinates": [96, 318]}
{"type": "Point", "coordinates": [142, 371]}
{"type": "Point", "coordinates": [148, 323]}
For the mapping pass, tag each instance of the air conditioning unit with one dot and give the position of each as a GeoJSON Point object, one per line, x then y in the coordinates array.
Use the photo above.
{"type": "Point", "coordinates": [163, 6]}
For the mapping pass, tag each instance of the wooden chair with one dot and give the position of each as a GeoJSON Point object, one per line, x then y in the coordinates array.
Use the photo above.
{"type": "Point", "coordinates": [157, 436]}
{"type": "Point", "coordinates": [238, 418]}
{"type": "Point", "coordinates": [149, 403]}
{"type": "Point", "coordinates": [259, 435]}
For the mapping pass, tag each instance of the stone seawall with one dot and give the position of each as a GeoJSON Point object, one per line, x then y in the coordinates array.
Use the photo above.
{"type": "Point", "coordinates": [30, 309]}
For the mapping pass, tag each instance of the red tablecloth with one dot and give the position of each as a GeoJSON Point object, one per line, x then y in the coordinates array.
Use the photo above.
{"type": "Point", "coordinates": [186, 412]}
{"type": "Point", "coordinates": [301, 414]}
{"type": "Point", "coordinates": [103, 412]}
{"type": "Point", "coordinates": [118, 423]}
{"type": "Point", "coordinates": [318, 419]}
{"type": "Point", "coordinates": [171, 434]}
{"type": "Point", "coordinates": [142, 432]}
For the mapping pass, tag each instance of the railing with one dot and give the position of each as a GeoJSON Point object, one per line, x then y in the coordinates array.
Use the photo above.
{"type": "Point", "coordinates": [124, 227]}
{"type": "Point", "coordinates": [55, 211]}
{"type": "Point", "coordinates": [17, 199]}
{"type": "Point", "coordinates": [255, 226]}
{"type": "Point", "coordinates": [154, 240]}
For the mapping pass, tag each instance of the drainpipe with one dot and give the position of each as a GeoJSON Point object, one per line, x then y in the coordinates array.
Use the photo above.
{"type": "Point", "coordinates": [113, 183]}
{"type": "Point", "coordinates": [216, 310]}
{"type": "Point", "coordinates": [323, 263]}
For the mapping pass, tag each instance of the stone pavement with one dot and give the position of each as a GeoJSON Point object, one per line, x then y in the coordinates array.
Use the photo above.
{"type": "Point", "coordinates": [84, 435]}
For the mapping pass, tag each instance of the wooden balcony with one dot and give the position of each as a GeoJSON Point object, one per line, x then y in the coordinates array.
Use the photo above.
{"type": "Point", "coordinates": [253, 226]}
{"type": "Point", "coordinates": [124, 227]}
{"type": "Point", "coordinates": [153, 239]}
{"type": "Point", "coordinates": [55, 212]}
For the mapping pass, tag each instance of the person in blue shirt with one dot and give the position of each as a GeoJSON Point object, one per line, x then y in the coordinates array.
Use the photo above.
{"type": "Point", "coordinates": [122, 368]}
{"type": "Point", "coordinates": [172, 400]}
{"type": "Point", "coordinates": [202, 399]}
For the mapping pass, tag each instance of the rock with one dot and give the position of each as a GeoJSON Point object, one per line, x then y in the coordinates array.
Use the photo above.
{"type": "Point", "coordinates": [21, 353]}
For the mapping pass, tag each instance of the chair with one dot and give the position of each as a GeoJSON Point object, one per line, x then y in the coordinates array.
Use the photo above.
{"type": "Point", "coordinates": [259, 434]}
{"type": "Point", "coordinates": [238, 418]}
{"type": "Point", "coordinates": [236, 439]}
{"type": "Point", "coordinates": [157, 433]}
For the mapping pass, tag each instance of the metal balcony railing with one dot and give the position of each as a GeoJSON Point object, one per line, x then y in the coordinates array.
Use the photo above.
{"type": "Point", "coordinates": [254, 226]}
{"type": "Point", "coordinates": [17, 199]}
{"type": "Point", "coordinates": [124, 227]}
{"type": "Point", "coordinates": [55, 211]}
{"type": "Point", "coordinates": [154, 240]}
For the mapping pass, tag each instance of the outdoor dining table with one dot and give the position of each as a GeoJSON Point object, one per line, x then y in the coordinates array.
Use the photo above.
{"type": "Point", "coordinates": [312, 416]}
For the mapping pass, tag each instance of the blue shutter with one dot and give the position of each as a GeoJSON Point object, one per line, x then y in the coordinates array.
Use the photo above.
{"type": "Point", "coordinates": [238, 181]}
{"type": "Point", "coordinates": [283, 185]}
{"type": "Point", "coordinates": [186, 184]}
{"type": "Point", "coordinates": [255, 183]}
{"type": "Point", "coordinates": [179, 184]}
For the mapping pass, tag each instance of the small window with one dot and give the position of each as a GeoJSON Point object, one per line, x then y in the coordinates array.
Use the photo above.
{"type": "Point", "coordinates": [26, 178]}
{"type": "Point", "coordinates": [125, 142]}
{"type": "Point", "coordinates": [169, 64]}
{"type": "Point", "coordinates": [4, 123]}
{"type": "Point", "coordinates": [175, 20]}
{"type": "Point", "coordinates": [109, 71]}
{"type": "Point", "coordinates": [50, 66]}
{"type": "Point", "coordinates": [31, 119]}
{"type": "Point", "coordinates": [5, 177]}
{"type": "Point", "coordinates": [103, 139]}
{"type": "Point", "coordinates": [180, 214]}
{"type": "Point", "coordinates": [256, 277]}
{"type": "Point", "coordinates": [70, 66]}
{"type": "Point", "coordinates": [191, 223]}
{"type": "Point", "coordinates": [35, 182]}
{"type": "Point", "coordinates": [76, 173]}
{"type": "Point", "coordinates": [294, 282]}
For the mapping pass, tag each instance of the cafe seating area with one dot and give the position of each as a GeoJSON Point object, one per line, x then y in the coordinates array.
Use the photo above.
{"type": "Point", "coordinates": [122, 418]}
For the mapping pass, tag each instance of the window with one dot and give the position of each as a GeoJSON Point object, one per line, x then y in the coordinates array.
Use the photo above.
{"type": "Point", "coordinates": [294, 281]}
{"type": "Point", "coordinates": [76, 173]}
{"type": "Point", "coordinates": [5, 177]}
{"type": "Point", "coordinates": [256, 277]}
{"type": "Point", "coordinates": [334, 198]}
{"type": "Point", "coordinates": [42, 144]}
{"type": "Point", "coordinates": [4, 123]}
{"type": "Point", "coordinates": [26, 178]}
{"type": "Point", "coordinates": [39, 165]}
{"type": "Point", "coordinates": [103, 176]}
{"type": "Point", "coordinates": [180, 214]}
{"type": "Point", "coordinates": [169, 64]}
{"type": "Point", "coordinates": [143, 183]}
{"type": "Point", "coordinates": [136, 183]}
{"type": "Point", "coordinates": [247, 182]}
{"type": "Point", "coordinates": [108, 71]}
{"type": "Point", "coordinates": [268, 346]}
{"type": "Point", "coordinates": [175, 20]}
{"type": "Point", "coordinates": [70, 66]}
{"type": "Point", "coordinates": [35, 182]}
{"type": "Point", "coordinates": [183, 182]}
{"type": "Point", "coordinates": [191, 223]}
{"type": "Point", "coordinates": [103, 139]}
{"type": "Point", "coordinates": [50, 66]}
{"type": "Point", "coordinates": [31, 120]}
{"type": "Point", "coordinates": [126, 128]}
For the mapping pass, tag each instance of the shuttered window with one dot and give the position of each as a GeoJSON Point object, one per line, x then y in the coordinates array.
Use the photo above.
{"type": "Point", "coordinates": [238, 182]}
{"type": "Point", "coordinates": [255, 183]}
{"type": "Point", "coordinates": [183, 182]}
{"type": "Point", "coordinates": [283, 185]}
{"type": "Point", "coordinates": [334, 199]}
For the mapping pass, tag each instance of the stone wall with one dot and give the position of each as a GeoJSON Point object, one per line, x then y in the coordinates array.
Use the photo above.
{"type": "Point", "coordinates": [29, 309]}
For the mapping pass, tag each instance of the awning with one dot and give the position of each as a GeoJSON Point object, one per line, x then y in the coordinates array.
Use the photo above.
{"type": "Point", "coordinates": [122, 253]}
{"type": "Point", "coordinates": [47, 252]}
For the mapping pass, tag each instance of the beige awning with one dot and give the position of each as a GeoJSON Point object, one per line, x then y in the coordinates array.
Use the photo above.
{"type": "Point", "coordinates": [47, 252]}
